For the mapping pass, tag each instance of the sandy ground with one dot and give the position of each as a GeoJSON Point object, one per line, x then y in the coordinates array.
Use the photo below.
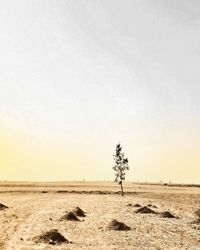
{"type": "Point", "coordinates": [37, 208]}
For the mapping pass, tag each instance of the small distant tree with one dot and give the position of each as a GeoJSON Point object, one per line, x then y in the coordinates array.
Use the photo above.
{"type": "Point", "coordinates": [120, 167]}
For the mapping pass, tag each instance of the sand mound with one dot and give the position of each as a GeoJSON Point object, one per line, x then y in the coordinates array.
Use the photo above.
{"type": "Point", "coordinates": [145, 210]}
{"type": "Point", "coordinates": [197, 213]}
{"type": "Point", "coordinates": [150, 205]}
{"type": "Point", "coordinates": [70, 216]}
{"type": "Point", "coordinates": [2, 206]}
{"type": "Point", "coordinates": [79, 212]}
{"type": "Point", "coordinates": [116, 225]}
{"type": "Point", "coordinates": [52, 237]}
{"type": "Point", "coordinates": [136, 205]}
{"type": "Point", "coordinates": [167, 214]}
{"type": "Point", "coordinates": [197, 221]}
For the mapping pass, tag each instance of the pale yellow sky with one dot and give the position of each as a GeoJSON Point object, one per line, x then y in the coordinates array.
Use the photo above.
{"type": "Point", "coordinates": [77, 77]}
{"type": "Point", "coordinates": [154, 155]}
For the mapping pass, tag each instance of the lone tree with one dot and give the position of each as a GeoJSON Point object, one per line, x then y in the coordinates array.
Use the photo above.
{"type": "Point", "coordinates": [120, 167]}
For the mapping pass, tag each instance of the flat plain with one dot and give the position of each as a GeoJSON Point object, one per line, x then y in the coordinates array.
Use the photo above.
{"type": "Point", "coordinates": [36, 208]}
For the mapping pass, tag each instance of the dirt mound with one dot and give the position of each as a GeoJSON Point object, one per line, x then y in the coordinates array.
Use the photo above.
{"type": "Point", "coordinates": [167, 214]}
{"type": "Point", "coordinates": [197, 221]}
{"type": "Point", "coordinates": [79, 212]}
{"type": "Point", "coordinates": [145, 210]}
{"type": "Point", "coordinates": [70, 216]}
{"type": "Point", "coordinates": [2, 206]}
{"type": "Point", "coordinates": [150, 205]}
{"type": "Point", "coordinates": [136, 205]}
{"type": "Point", "coordinates": [52, 237]}
{"type": "Point", "coordinates": [197, 213]}
{"type": "Point", "coordinates": [116, 225]}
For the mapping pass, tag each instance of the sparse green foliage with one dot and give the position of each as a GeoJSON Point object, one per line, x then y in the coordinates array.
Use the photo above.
{"type": "Point", "coordinates": [120, 167]}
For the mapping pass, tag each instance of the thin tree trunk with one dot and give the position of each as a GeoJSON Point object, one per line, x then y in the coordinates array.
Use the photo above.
{"type": "Point", "coordinates": [122, 188]}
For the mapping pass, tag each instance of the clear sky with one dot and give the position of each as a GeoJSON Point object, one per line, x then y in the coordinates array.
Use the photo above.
{"type": "Point", "coordinates": [77, 77]}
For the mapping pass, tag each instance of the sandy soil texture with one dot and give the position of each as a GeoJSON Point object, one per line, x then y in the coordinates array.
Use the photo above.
{"type": "Point", "coordinates": [36, 209]}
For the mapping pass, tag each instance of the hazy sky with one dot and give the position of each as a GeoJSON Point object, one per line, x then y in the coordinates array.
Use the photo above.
{"type": "Point", "coordinates": [77, 77]}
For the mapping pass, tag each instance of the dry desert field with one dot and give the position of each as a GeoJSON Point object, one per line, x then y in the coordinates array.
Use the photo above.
{"type": "Point", "coordinates": [38, 216]}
